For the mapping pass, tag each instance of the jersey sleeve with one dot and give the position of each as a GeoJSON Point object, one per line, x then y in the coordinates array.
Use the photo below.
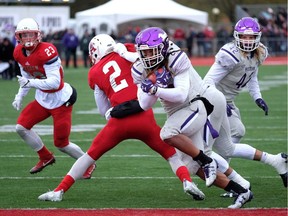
{"type": "Point", "coordinates": [138, 73]}
{"type": "Point", "coordinates": [102, 102]}
{"type": "Point", "coordinates": [91, 76]}
{"type": "Point", "coordinates": [130, 47]}
{"type": "Point", "coordinates": [48, 53]}
{"type": "Point", "coordinates": [228, 56]}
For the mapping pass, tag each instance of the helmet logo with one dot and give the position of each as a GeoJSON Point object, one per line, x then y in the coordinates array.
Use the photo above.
{"type": "Point", "coordinates": [162, 35]}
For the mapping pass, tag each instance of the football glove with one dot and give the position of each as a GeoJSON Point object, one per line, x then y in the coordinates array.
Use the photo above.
{"type": "Point", "coordinates": [148, 87]}
{"type": "Point", "coordinates": [17, 103]}
{"type": "Point", "coordinates": [23, 82]}
{"type": "Point", "coordinates": [261, 103]}
{"type": "Point", "coordinates": [163, 78]}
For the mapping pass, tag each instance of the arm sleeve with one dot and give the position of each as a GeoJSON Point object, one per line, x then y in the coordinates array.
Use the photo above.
{"type": "Point", "coordinates": [130, 56]}
{"type": "Point", "coordinates": [179, 93]}
{"type": "Point", "coordinates": [53, 79]}
{"type": "Point", "coordinates": [253, 87]}
{"type": "Point", "coordinates": [145, 101]}
{"type": "Point", "coordinates": [221, 67]}
{"type": "Point", "coordinates": [102, 102]}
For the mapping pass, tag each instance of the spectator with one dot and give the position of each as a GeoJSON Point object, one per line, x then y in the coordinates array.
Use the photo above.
{"type": "Point", "coordinates": [200, 43]}
{"type": "Point", "coordinates": [70, 42]}
{"type": "Point", "coordinates": [209, 36]}
{"type": "Point", "coordinates": [84, 42]}
{"type": "Point", "coordinates": [222, 37]}
{"type": "Point", "coordinates": [6, 55]}
{"type": "Point", "coordinates": [190, 41]}
{"type": "Point", "coordinates": [179, 37]}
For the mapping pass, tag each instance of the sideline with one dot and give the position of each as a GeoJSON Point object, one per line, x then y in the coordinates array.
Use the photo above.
{"type": "Point", "coordinates": [145, 212]}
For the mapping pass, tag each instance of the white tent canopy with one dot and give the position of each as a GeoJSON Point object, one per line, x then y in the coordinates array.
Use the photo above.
{"type": "Point", "coordinates": [116, 12]}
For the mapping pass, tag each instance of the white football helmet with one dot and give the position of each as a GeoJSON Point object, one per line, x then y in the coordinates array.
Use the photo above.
{"type": "Point", "coordinates": [27, 33]}
{"type": "Point", "coordinates": [100, 46]}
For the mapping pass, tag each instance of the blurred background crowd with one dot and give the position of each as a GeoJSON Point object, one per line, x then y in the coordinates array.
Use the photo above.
{"type": "Point", "coordinates": [204, 42]}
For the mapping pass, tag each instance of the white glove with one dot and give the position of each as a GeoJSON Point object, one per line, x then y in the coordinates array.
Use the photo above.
{"type": "Point", "coordinates": [107, 114]}
{"type": "Point", "coordinates": [17, 103]}
{"type": "Point", "coordinates": [23, 82]}
{"type": "Point", "coordinates": [120, 49]}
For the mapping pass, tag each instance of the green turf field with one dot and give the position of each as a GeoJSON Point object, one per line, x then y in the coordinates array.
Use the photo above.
{"type": "Point", "coordinates": [131, 175]}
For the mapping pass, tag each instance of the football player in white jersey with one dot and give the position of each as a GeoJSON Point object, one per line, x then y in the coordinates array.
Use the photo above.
{"type": "Point", "coordinates": [180, 90]}
{"type": "Point", "coordinates": [236, 65]}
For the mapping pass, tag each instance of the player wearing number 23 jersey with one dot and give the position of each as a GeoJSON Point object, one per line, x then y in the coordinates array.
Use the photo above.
{"type": "Point", "coordinates": [41, 69]}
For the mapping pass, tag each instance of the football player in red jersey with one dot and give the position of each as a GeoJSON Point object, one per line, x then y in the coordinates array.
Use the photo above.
{"type": "Point", "coordinates": [110, 79]}
{"type": "Point", "coordinates": [41, 69]}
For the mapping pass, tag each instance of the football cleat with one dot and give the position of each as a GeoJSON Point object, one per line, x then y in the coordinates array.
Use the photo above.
{"type": "Point", "coordinates": [89, 171]}
{"type": "Point", "coordinates": [241, 199]}
{"type": "Point", "coordinates": [281, 167]}
{"type": "Point", "coordinates": [284, 179]}
{"type": "Point", "coordinates": [42, 164]}
{"type": "Point", "coordinates": [241, 181]}
{"type": "Point", "coordinates": [52, 196]}
{"type": "Point", "coordinates": [229, 195]}
{"type": "Point", "coordinates": [210, 172]}
{"type": "Point", "coordinates": [191, 189]}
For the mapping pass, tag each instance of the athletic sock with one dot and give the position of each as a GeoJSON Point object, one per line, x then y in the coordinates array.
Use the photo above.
{"type": "Point", "coordinates": [183, 174]}
{"type": "Point", "coordinates": [65, 184]}
{"type": "Point", "coordinates": [202, 159]}
{"type": "Point", "coordinates": [233, 186]}
{"type": "Point", "coordinates": [44, 153]}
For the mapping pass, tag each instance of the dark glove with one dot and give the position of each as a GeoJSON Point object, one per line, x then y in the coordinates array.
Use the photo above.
{"type": "Point", "coordinates": [146, 85]}
{"type": "Point", "coordinates": [229, 110]}
{"type": "Point", "coordinates": [261, 103]}
{"type": "Point", "coordinates": [163, 77]}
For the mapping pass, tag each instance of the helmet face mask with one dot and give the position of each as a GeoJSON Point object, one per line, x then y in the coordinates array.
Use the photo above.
{"type": "Point", "coordinates": [247, 34]}
{"type": "Point", "coordinates": [28, 34]}
{"type": "Point", "coordinates": [100, 46]}
{"type": "Point", "coordinates": [152, 45]}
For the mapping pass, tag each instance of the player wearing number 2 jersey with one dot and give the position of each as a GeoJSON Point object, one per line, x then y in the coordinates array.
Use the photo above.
{"type": "Point", "coordinates": [110, 79]}
{"type": "Point", "coordinates": [41, 69]}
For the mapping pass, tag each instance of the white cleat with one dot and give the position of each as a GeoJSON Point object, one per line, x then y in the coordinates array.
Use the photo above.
{"type": "Point", "coordinates": [241, 181]}
{"type": "Point", "coordinates": [191, 189]}
{"type": "Point", "coordinates": [210, 171]}
{"type": "Point", "coordinates": [241, 200]}
{"type": "Point", "coordinates": [52, 196]}
{"type": "Point", "coordinates": [281, 166]}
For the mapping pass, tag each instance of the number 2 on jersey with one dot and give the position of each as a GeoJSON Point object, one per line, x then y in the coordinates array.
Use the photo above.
{"type": "Point", "coordinates": [117, 71]}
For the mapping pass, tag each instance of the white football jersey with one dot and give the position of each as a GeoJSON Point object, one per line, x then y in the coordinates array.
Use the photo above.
{"type": "Point", "coordinates": [233, 70]}
{"type": "Point", "coordinates": [178, 63]}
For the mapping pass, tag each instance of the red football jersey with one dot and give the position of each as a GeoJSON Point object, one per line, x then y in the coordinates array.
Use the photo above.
{"type": "Point", "coordinates": [113, 76]}
{"type": "Point", "coordinates": [44, 53]}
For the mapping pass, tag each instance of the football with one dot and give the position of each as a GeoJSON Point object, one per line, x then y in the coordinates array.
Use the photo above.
{"type": "Point", "coordinates": [152, 77]}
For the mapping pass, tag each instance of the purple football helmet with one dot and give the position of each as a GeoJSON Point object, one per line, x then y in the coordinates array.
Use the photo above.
{"type": "Point", "coordinates": [152, 45]}
{"type": "Point", "coordinates": [247, 26]}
